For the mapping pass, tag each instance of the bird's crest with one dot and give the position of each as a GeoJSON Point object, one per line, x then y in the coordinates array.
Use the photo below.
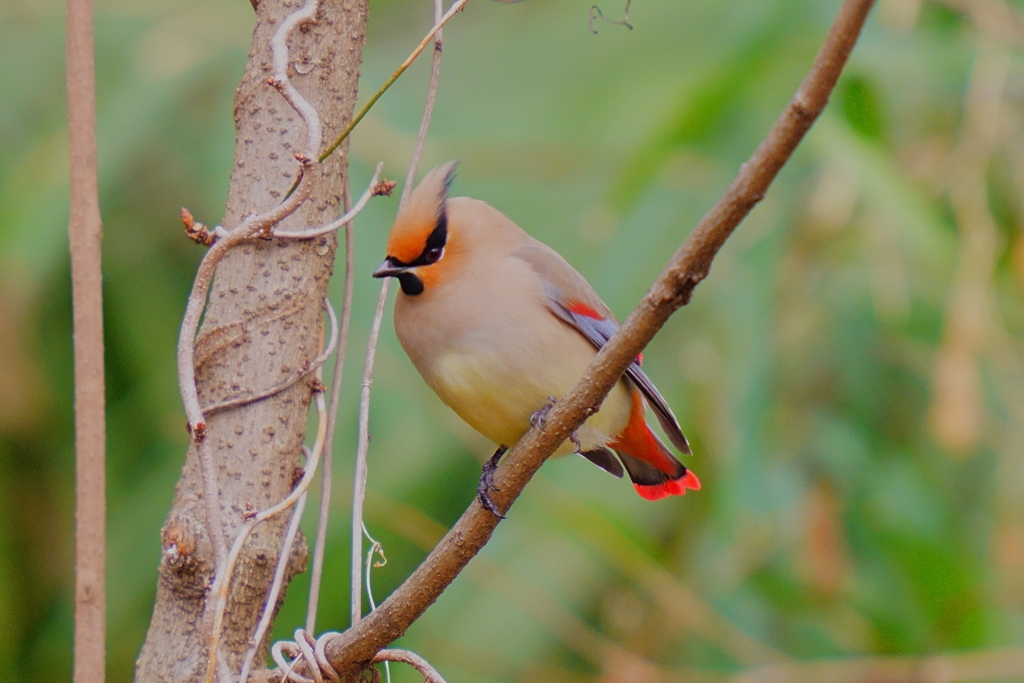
{"type": "Point", "coordinates": [422, 214]}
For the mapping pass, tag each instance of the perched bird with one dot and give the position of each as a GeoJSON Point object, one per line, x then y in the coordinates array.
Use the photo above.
{"type": "Point", "coordinates": [500, 325]}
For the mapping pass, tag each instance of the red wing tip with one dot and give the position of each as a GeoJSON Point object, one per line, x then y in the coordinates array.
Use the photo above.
{"type": "Point", "coordinates": [580, 308]}
{"type": "Point", "coordinates": [676, 487]}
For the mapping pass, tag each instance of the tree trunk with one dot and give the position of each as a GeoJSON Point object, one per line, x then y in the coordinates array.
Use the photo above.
{"type": "Point", "coordinates": [264, 321]}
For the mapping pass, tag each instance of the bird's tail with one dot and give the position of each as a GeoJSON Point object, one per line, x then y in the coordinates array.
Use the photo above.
{"type": "Point", "coordinates": [654, 470]}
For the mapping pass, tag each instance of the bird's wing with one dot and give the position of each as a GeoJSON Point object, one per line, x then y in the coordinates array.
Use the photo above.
{"type": "Point", "coordinates": [570, 297]}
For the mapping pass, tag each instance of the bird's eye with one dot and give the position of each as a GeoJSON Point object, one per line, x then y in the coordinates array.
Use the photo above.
{"type": "Point", "coordinates": [433, 255]}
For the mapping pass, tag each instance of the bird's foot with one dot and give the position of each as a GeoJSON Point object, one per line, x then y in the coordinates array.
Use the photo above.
{"type": "Point", "coordinates": [575, 438]}
{"type": "Point", "coordinates": [486, 485]}
{"type": "Point", "coordinates": [538, 418]}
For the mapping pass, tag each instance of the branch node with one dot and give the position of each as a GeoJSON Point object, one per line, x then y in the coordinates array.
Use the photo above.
{"type": "Point", "coordinates": [194, 230]}
{"type": "Point", "coordinates": [383, 188]}
{"type": "Point", "coordinates": [801, 111]}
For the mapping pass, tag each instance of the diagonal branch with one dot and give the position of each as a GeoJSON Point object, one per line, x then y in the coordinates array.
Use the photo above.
{"type": "Point", "coordinates": [673, 288]}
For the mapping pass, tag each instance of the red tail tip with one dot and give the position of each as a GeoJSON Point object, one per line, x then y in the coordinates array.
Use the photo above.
{"type": "Point", "coordinates": [672, 487]}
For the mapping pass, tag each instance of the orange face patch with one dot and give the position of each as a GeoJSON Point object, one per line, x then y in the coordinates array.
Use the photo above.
{"type": "Point", "coordinates": [409, 236]}
{"type": "Point", "coordinates": [420, 230]}
{"type": "Point", "coordinates": [419, 216]}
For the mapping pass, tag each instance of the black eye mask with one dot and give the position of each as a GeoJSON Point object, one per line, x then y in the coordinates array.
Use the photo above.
{"type": "Point", "coordinates": [432, 253]}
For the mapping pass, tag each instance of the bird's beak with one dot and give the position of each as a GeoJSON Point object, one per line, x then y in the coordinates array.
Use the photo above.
{"type": "Point", "coordinates": [389, 269]}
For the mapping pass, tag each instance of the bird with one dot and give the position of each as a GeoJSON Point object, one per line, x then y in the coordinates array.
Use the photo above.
{"type": "Point", "coordinates": [500, 326]}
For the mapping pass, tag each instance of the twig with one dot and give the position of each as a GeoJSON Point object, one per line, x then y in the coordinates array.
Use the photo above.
{"type": "Point", "coordinates": [375, 549]}
{"type": "Point", "coordinates": [325, 489]}
{"type": "Point", "coordinates": [85, 235]}
{"type": "Point", "coordinates": [371, 191]}
{"type": "Point", "coordinates": [310, 651]}
{"type": "Point", "coordinates": [312, 366]}
{"type": "Point", "coordinates": [275, 589]}
{"type": "Point", "coordinates": [304, 648]}
{"type": "Point", "coordinates": [455, 8]}
{"type": "Point", "coordinates": [320, 546]}
{"type": "Point", "coordinates": [428, 106]}
{"type": "Point", "coordinates": [430, 674]}
{"type": "Point", "coordinates": [359, 479]}
{"type": "Point", "coordinates": [596, 13]}
{"type": "Point", "coordinates": [670, 291]}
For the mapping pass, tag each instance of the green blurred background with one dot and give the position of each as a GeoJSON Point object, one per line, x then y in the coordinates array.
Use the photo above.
{"type": "Point", "coordinates": [851, 374]}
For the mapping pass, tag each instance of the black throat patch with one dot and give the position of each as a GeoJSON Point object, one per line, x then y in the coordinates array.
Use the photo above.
{"type": "Point", "coordinates": [411, 285]}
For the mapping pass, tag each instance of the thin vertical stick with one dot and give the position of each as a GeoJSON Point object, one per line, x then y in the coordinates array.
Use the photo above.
{"type": "Point", "coordinates": [275, 589]}
{"type": "Point", "coordinates": [85, 235]}
{"type": "Point", "coordinates": [428, 107]}
{"type": "Point", "coordinates": [332, 417]}
{"type": "Point", "coordinates": [332, 411]}
{"type": "Point", "coordinates": [359, 483]}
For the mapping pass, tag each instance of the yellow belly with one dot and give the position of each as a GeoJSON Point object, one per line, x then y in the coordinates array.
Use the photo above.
{"type": "Point", "coordinates": [497, 396]}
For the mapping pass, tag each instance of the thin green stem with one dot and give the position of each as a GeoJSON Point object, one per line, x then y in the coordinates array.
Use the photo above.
{"type": "Point", "coordinates": [455, 8]}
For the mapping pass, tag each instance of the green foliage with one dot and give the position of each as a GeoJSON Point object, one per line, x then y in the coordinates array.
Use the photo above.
{"type": "Point", "coordinates": [858, 498]}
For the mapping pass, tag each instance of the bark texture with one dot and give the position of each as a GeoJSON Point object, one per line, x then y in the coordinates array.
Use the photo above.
{"type": "Point", "coordinates": [263, 322]}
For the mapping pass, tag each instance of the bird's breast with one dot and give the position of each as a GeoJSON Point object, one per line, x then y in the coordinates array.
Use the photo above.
{"type": "Point", "coordinates": [494, 353]}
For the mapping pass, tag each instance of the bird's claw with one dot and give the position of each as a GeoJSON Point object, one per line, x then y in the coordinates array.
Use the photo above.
{"type": "Point", "coordinates": [538, 418]}
{"type": "Point", "coordinates": [486, 484]}
{"type": "Point", "coordinates": [575, 438]}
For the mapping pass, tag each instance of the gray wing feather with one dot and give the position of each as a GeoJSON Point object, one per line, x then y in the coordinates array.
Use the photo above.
{"type": "Point", "coordinates": [598, 332]}
{"type": "Point", "coordinates": [605, 459]}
